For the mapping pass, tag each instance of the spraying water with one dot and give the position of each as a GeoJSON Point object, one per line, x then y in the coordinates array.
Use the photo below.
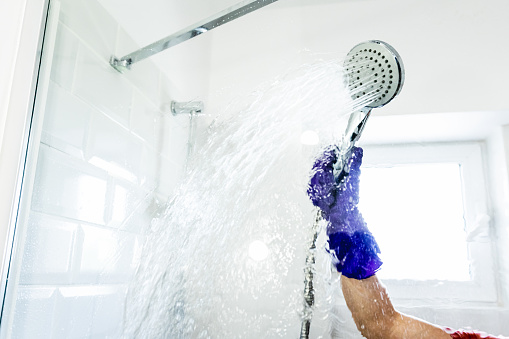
{"type": "Point", "coordinates": [244, 188]}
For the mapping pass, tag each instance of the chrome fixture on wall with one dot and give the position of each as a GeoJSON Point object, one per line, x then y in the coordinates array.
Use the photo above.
{"type": "Point", "coordinates": [192, 109]}
{"type": "Point", "coordinates": [186, 107]}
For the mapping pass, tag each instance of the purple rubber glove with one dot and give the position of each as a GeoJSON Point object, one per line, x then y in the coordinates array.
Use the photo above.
{"type": "Point", "coordinates": [354, 247]}
{"type": "Point", "coordinates": [322, 187]}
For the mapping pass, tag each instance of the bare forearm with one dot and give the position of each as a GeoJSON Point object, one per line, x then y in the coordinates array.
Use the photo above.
{"type": "Point", "coordinates": [375, 316]}
{"type": "Point", "coordinates": [370, 305]}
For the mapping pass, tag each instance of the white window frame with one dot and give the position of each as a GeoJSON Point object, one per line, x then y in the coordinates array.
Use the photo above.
{"type": "Point", "coordinates": [469, 155]}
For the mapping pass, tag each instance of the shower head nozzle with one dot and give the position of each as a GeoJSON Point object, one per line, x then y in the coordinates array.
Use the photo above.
{"type": "Point", "coordinates": [374, 73]}
{"type": "Point", "coordinates": [374, 76]}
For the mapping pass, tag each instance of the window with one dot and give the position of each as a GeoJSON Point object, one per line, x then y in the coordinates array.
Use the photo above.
{"type": "Point", "coordinates": [426, 205]}
{"type": "Point", "coordinates": [426, 217]}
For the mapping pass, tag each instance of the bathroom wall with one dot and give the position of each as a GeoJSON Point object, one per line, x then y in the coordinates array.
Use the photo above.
{"type": "Point", "coordinates": [109, 153]}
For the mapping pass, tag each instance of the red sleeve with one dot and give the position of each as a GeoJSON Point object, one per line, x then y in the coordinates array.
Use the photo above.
{"type": "Point", "coordinates": [462, 334]}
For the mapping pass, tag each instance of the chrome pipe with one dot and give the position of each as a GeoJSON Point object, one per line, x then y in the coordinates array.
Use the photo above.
{"type": "Point", "coordinates": [309, 290]}
{"type": "Point", "coordinates": [192, 109]}
{"type": "Point", "coordinates": [223, 17]}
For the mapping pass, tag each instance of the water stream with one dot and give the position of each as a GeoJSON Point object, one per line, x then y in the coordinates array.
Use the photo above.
{"type": "Point", "coordinates": [246, 183]}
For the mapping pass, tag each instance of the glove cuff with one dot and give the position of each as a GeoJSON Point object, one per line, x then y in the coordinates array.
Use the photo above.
{"type": "Point", "coordinates": [356, 255]}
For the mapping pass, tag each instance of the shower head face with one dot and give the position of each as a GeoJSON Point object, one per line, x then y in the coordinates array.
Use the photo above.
{"type": "Point", "coordinates": [374, 73]}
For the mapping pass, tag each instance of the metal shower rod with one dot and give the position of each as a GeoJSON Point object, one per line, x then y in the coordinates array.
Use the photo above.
{"type": "Point", "coordinates": [223, 17]}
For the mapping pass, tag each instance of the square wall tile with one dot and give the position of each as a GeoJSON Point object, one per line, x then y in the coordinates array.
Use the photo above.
{"type": "Point", "coordinates": [189, 78]}
{"type": "Point", "coordinates": [139, 222]}
{"type": "Point", "coordinates": [109, 313]}
{"type": "Point", "coordinates": [171, 177]}
{"type": "Point", "coordinates": [33, 314]}
{"type": "Point", "coordinates": [127, 201]}
{"type": "Point", "coordinates": [101, 86]}
{"type": "Point", "coordinates": [168, 91]}
{"type": "Point", "coordinates": [99, 253]}
{"type": "Point", "coordinates": [66, 121]}
{"type": "Point", "coordinates": [74, 309]}
{"type": "Point", "coordinates": [69, 188]}
{"type": "Point", "coordinates": [48, 250]}
{"type": "Point", "coordinates": [113, 148]}
{"type": "Point", "coordinates": [64, 57]}
{"type": "Point", "coordinates": [88, 311]}
{"type": "Point", "coordinates": [92, 24]}
{"type": "Point", "coordinates": [107, 255]}
{"type": "Point", "coordinates": [143, 75]}
{"type": "Point", "coordinates": [149, 168]}
{"type": "Point", "coordinates": [175, 140]}
{"type": "Point", "coordinates": [145, 120]}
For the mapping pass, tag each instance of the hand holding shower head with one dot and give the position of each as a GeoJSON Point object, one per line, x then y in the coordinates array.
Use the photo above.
{"type": "Point", "coordinates": [374, 77]}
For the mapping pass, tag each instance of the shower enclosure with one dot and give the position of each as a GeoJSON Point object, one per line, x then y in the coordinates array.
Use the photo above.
{"type": "Point", "coordinates": [103, 160]}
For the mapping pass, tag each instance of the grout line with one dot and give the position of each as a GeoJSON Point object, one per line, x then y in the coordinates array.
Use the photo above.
{"type": "Point", "coordinates": [78, 222]}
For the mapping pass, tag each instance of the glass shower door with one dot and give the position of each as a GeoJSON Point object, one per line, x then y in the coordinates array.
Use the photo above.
{"type": "Point", "coordinates": [98, 143]}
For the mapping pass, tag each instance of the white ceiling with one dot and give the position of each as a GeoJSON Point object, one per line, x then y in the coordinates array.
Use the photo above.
{"type": "Point", "coordinates": [454, 51]}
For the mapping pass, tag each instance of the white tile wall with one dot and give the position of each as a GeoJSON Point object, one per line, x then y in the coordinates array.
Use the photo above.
{"type": "Point", "coordinates": [69, 188]}
{"type": "Point", "coordinates": [106, 256]}
{"type": "Point", "coordinates": [149, 170]}
{"type": "Point", "coordinates": [49, 248]}
{"type": "Point", "coordinates": [107, 152]}
{"type": "Point", "coordinates": [175, 144]}
{"type": "Point", "coordinates": [34, 312]}
{"type": "Point", "coordinates": [75, 310]}
{"type": "Point", "coordinates": [146, 119]}
{"type": "Point", "coordinates": [66, 124]}
{"type": "Point", "coordinates": [69, 312]}
{"type": "Point", "coordinates": [112, 148]}
{"type": "Point", "coordinates": [92, 24]}
{"type": "Point", "coordinates": [108, 311]}
{"type": "Point", "coordinates": [144, 74]}
{"type": "Point", "coordinates": [172, 173]}
{"type": "Point", "coordinates": [66, 49]}
{"type": "Point", "coordinates": [99, 84]}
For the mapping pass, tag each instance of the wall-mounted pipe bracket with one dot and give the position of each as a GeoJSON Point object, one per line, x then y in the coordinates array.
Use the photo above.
{"type": "Point", "coordinates": [120, 65]}
{"type": "Point", "coordinates": [187, 107]}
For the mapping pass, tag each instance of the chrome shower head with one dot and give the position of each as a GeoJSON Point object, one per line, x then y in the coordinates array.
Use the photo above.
{"type": "Point", "coordinates": [374, 73]}
{"type": "Point", "coordinates": [374, 76]}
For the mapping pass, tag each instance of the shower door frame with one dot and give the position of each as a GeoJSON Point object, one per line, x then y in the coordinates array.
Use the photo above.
{"type": "Point", "coordinates": [30, 22]}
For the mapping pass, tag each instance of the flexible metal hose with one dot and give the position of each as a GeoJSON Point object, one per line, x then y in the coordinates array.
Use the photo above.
{"type": "Point", "coordinates": [309, 292]}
